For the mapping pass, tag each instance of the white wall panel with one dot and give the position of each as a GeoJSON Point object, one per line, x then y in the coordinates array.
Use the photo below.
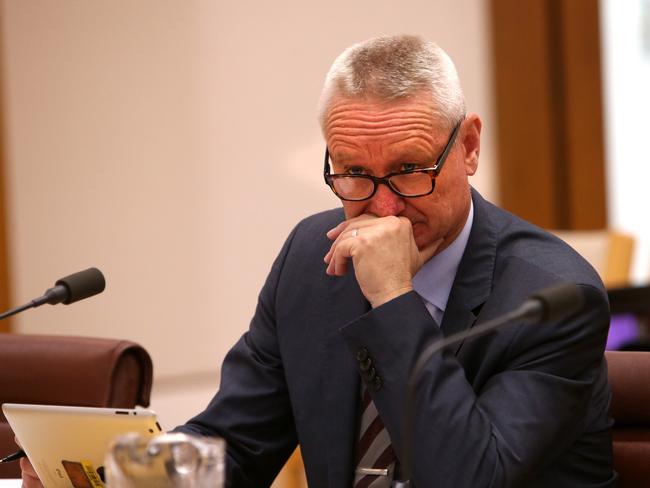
{"type": "Point", "coordinates": [130, 125]}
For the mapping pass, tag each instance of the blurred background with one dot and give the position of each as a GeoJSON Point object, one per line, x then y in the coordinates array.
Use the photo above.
{"type": "Point", "coordinates": [174, 144]}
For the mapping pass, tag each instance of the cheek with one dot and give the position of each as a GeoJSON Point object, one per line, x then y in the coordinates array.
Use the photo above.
{"type": "Point", "coordinates": [424, 211]}
{"type": "Point", "coordinates": [429, 219]}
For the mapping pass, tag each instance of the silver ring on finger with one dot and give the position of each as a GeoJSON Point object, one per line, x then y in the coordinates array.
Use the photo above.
{"type": "Point", "coordinates": [355, 232]}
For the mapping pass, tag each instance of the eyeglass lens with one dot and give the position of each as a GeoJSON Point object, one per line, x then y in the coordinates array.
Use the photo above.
{"type": "Point", "coordinates": [358, 187]}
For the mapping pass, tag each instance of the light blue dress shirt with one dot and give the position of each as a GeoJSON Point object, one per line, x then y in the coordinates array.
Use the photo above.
{"type": "Point", "coordinates": [434, 280]}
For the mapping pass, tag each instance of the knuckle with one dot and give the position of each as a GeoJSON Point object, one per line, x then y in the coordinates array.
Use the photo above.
{"type": "Point", "coordinates": [405, 224]}
{"type": "Point", "coordinates": [393, 222]}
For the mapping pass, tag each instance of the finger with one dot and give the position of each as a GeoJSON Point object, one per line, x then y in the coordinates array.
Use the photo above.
{"type": "Point", "coordinates": [341, 253]}
{"type": "Point", "coordinates": [338, 267]}
{"type": "Point", "coordinates": [27, 467]}
{"type": "Point", "coordinates": [359, 221]}
{"type": "Point", "coordinates": [339, 263]}
{"type": "Point", "coordinates": [346, 234]}
{"type": "Point", "coordinates": [29, 476]}
{"type": "Point", "coordinates": [336, 231]}
{"type": "Point", "coordinates": [339, 231]}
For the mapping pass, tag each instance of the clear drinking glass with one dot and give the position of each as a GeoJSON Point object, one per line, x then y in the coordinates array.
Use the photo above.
{"type": "Point", "coordinates": [167, 461]}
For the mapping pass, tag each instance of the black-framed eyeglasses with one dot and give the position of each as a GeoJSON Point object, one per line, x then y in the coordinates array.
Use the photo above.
{"type": "Point", "coordinates": [408, 184]}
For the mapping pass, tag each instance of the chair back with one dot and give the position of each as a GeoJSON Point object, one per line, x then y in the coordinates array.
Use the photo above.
{"type": "Point", "coordinates": [608, 251]}
{"type": "Point", "coordinates": [67, 370]}
{"type": "Point", "coordinates": [629, 377]}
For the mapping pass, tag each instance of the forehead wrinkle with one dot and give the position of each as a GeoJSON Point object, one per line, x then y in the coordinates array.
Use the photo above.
{"type": "Point", "coordinates": [370, 120]}
{"type": "Point", "coordinates": [372, 123]}
{"type": "Point", "coordinates": [359, 125]}
{"type": "Point", "coordinates": [412, 130]}
{"type": "Point", "coordinates": [336, 145]}
{"type": "Point", "coordinates": [423, 144]}
{"type": "Point", "coordinates": [354, 124]}
{"type": "Point", "coordinates": [365, 105]}
{"type": "Point", "coordinates": [417, 143]}
{"type": "Point", "coordinates": [355, 139]}
{"type": "Point", "coordinates": [364, 112]}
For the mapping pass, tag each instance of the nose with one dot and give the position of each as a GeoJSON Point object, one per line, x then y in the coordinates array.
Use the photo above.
{"type": "Point", "coordinates": [385, 202]}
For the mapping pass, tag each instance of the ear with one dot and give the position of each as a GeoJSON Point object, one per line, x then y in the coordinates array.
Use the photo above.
{"type": "Point", "coordinates": [471, 141]}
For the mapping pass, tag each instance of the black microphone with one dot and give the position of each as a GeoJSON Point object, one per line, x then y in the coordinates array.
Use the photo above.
{"type": "Point", "coordinates": [552, 303]}
{"type": "Point", "coordinates": [70, 289]}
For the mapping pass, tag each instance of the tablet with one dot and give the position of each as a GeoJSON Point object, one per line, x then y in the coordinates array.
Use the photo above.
{"type": "Point", "coordinates": [67, 445]}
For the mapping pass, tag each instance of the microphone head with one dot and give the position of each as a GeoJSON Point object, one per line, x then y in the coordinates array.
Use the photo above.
{"type": "Point", "coordinates": [82, 284]}
{"type": "Point", "coordinates": [559, 301]}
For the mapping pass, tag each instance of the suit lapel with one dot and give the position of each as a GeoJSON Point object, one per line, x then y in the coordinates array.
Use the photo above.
{"type": "Point", "coordinates": [473, 280]}
{"type": "Point", "coordinates": [341, 381]}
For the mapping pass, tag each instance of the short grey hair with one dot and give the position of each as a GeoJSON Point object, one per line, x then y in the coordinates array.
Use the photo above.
{"type": "Point", "coordinates": [395, 67]}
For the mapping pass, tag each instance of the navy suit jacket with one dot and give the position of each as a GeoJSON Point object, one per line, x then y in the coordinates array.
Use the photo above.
{"type": "Point", "coordinates": [524, 406]}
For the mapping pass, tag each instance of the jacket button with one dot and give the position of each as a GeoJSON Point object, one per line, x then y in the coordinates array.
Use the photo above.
{"type": "Point", "coordinates": [362, 354]}
{"type": "Point", "coordinates": [365, 365]}
{"type": "Point", "coordinates": [370, 374]}
{"type": "Point", "coordinates": [377, 383]}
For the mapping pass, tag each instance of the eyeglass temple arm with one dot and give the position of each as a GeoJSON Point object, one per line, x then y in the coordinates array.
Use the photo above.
{"type": "Point", "coordinates": [443, 157]}
{"type": "Point", "coordinates": [326, 168]}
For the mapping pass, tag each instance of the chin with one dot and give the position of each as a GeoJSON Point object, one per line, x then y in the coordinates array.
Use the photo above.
{"type": "Point", "coordinates": [423, 236]}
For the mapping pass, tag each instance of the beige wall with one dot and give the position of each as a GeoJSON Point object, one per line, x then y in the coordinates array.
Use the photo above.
{"type": "Point", "coordinates": [173, 144]}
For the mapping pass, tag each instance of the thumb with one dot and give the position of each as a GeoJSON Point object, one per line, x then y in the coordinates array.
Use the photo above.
{"type": "Point", "coordinates": [429, 251]}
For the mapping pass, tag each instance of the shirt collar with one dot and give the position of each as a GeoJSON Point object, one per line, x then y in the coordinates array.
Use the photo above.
{"type": "Point", "coordinates": [435, 278]}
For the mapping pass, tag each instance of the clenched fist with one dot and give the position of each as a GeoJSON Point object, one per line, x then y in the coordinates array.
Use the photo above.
{"type": "Point", "coordinates": [383, 252]}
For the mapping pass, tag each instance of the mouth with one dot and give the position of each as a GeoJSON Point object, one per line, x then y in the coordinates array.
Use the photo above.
{"type": "Point", "coordinates": [416, 225]}
{"type": "Point", "coordinates": [418, 230]}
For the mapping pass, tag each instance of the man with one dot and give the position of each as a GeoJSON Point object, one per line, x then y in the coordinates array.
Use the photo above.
{"type": "Point", "coordinates": [355, 296]}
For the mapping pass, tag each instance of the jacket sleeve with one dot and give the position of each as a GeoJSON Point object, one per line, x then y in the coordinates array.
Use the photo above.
{"type": "Point", "coordinates": [500, 430]}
